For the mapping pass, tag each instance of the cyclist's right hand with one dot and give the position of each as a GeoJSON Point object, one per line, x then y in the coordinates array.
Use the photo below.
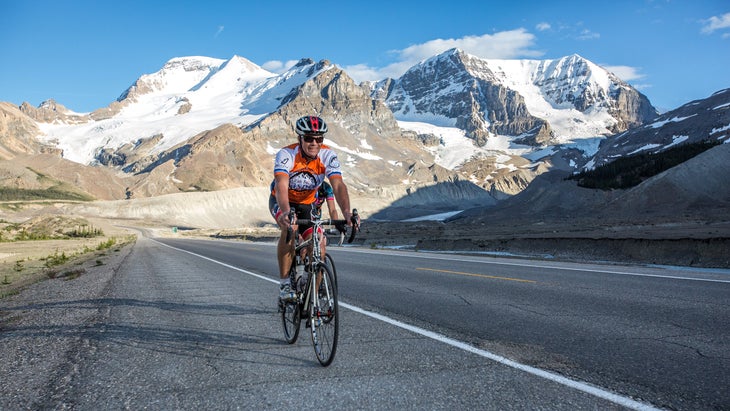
{"type": "Point", "coordinates": [286, 220]}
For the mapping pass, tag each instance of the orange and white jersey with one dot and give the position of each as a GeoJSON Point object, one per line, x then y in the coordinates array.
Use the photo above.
{"type": "Point", "coordinates": [305, 177]}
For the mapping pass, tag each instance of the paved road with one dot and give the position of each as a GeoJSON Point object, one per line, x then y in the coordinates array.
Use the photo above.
{"type": "Point", "coordinates": [172, 329]}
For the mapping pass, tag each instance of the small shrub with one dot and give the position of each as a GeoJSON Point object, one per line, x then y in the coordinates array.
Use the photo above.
{"type": "Point", "coordinates": [9, 293]}
{"type": "Point", "coordinates": [85, 231]}
{"type": "Point", "coordinates": [56, 259]}
{"type": "Point", "coordinates": [73, 274]}
{"type": "Point", "coordinates": [106, 244]}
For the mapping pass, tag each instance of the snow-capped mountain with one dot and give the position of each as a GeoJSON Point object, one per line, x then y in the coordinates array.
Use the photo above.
{"type": "Point", "coordinates": [206, 124]}
{"type": "Point", "coordinates": [187, 96]}
{"type": "Point", "coordinates": [534, 101]}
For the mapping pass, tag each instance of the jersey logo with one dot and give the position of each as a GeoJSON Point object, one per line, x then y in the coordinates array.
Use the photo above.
{"type": "Point", "coordinates": [334, 162]}
{"type": "Point", "coordinates": [302, 181]}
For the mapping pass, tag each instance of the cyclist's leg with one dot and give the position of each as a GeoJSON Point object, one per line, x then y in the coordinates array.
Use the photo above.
{"type": "Point", "coordinates": [323, 245]}
{"type": "Point", "coordinates": [284, 250]}
{"type": "Point", "coordinates": [304, 211]}
{"type": "Point", "coordinates": [284, 254]}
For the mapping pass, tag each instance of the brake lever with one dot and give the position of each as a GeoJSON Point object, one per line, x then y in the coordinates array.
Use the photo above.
{"type": "Point", "coordinates": [355, 219]}
{"type": "Point", "coordinates": [289, 231]}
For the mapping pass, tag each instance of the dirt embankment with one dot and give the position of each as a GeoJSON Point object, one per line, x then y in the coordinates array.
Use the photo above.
{"type": "Point", "coordinates": [691, 243]}
{"type": "Point", "coordinates": [688, 243]}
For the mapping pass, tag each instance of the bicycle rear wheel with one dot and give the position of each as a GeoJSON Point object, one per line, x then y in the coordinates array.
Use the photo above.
{"type": "Point", "coordinates": [324, 317]}
{"type": "Point", "coordinates": [291, 319]}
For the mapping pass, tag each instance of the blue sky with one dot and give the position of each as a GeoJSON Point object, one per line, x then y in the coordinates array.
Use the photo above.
{"type": "Point", "coordinates": [84, 54]}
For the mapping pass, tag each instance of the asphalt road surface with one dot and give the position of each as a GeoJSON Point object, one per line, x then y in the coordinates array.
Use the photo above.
{"type": "Point", "coordinates": [192, 324]}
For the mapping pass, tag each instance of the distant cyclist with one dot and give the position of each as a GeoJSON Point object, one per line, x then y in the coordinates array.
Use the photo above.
{"type": "Point", "coordinates": [299, 171]}
{"type": "Point", "coordinates": [325, 194]}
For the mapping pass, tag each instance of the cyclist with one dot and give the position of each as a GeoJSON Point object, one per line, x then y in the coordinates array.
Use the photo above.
{"type": "Point", "coordinates": [299, 171]}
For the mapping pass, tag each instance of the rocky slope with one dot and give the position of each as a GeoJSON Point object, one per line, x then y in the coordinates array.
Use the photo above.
{"type": "Point", "coordinates": [700, 120]}
{"type": "Point", "coordinates": [18, 133]}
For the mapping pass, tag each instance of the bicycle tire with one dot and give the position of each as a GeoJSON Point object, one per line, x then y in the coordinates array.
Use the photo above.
{"type": "Point", "coordinates": [331, 263]}
{"type": "Point", "coordinates": [324, 316]}
{"type": "Point", "coordinates": [291, 320]}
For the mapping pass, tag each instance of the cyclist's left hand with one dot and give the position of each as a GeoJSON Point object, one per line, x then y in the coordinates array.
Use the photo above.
{"type": "Point", "coordinates": [347, 216]}
{"type": "Point", "coordinates": [354, 220]}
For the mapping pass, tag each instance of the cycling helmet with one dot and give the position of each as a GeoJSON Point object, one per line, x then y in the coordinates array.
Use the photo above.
{"type": "Point", "coordinates": [311, 125]}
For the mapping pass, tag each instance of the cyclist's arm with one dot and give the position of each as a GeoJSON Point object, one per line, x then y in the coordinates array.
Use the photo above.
{"type": "Point", "coordinates": [281, 192]}
{"type": "Point", "coordinates": [342, 197]}
{"type": "Point", "coordinates": [332, 209]}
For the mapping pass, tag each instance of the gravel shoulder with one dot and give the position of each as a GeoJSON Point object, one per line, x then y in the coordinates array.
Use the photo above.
{"type": "Point", "coordinates": [43, 328]}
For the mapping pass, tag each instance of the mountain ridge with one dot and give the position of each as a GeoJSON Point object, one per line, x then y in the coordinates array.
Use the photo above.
{"type": "Point", "coordinates": [205, 124]}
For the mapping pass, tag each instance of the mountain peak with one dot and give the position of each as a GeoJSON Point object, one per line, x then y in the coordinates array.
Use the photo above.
{"type": "Point", "coordinates": [304, 62]}
{"type": "Point", "coordinates": [453, 51]}
{"type": "Point", "coordinates": [191, 63]}
{"type": "Point", "coordinates": [244, 63]}
{"type": "Point", "coordinates": [448, 55]}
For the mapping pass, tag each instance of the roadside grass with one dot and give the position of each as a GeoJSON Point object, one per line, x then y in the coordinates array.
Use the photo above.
{"type": "Point", "coordinates": [30, 261]}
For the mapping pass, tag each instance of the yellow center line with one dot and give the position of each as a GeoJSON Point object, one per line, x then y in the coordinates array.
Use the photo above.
{"type": "Point", "coordinates": [477, 275]}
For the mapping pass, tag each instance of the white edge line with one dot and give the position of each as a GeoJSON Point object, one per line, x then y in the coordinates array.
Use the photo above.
{"type": "Point", "coordinates": [580, 386]}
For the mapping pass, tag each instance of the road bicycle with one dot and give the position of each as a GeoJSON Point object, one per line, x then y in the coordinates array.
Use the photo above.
{"type": "Point", "coordinates": [315, 286]}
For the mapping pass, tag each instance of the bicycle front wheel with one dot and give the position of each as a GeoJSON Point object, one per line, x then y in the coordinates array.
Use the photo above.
{"type": "Point", "coordinates": [291, 319]}
{"type": "Point", "coordinates": [328, 259]}
{"type": "Point", "coordinates": [324, 315]}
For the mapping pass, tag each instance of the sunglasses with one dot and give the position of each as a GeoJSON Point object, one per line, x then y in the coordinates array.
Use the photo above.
{"type": "Point", "coordinates": [309, 139]}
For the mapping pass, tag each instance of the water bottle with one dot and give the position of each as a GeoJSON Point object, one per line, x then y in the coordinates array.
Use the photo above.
{"type": "Point", "coordinates": [303, 280]}
{"type": "Point", "coordinates": [299, 276]}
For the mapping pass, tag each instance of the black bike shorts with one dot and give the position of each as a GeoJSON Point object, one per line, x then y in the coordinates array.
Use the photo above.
{"type": "Point", "coordinates": [303, 211]}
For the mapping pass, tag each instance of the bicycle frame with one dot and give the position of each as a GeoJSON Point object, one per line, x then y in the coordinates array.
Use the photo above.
{"type": "Point", "coordinates": [316, 299]}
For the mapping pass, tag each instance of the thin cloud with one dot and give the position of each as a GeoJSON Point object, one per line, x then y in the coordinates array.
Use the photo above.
{"type": "Point", "coordinates": [220, 30]}
{"type": "Point", "coordinates": [586, 34]}
{"type": "Point", "coordinates": [641, 86]}
{"type": "Point", "coordinates": [363, 71]}
{"type": "Point", "coordinates": [276, 66]}
{"type": "Point", "coordinates": [716, 23]}
{"type": "Point", "coordinates": [502, 45]}
{"type": "Point", "coordinates": [543, 26]}
{"type": "Point", "coordinates": [625, 73]}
